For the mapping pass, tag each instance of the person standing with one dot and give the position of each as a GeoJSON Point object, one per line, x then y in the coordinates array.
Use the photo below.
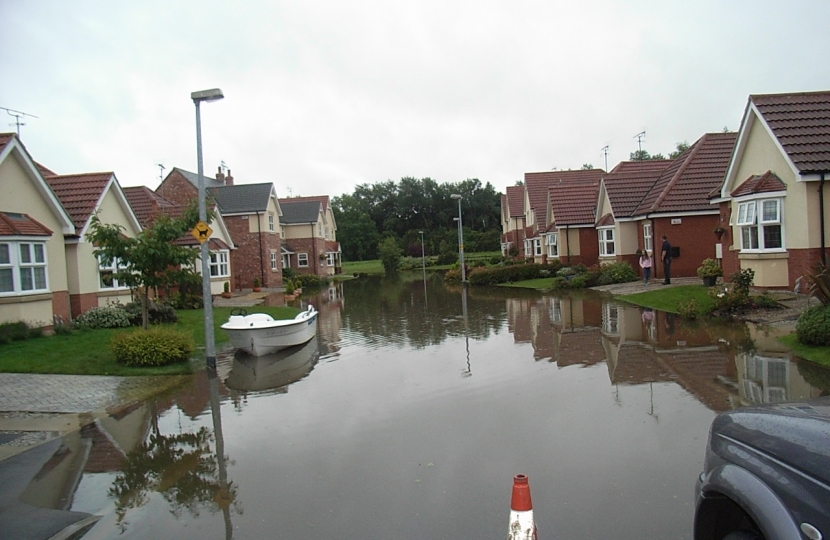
{"type": "Point", "coordinates": [665, 256]}
{"type": "Point", "coordinates": [645, 264]}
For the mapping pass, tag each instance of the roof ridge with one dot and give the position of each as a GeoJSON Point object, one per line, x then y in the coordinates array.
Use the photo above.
{"type": "Point", "coordinates": [674, 179]}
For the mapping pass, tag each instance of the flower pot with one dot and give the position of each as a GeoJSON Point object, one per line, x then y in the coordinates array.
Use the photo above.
{"type": "Point", "coordinates": [227, 295]}
{"type": "Point", "coordinates": [710, 281]}
{"type": "Point", "coordinates": [257, 289]}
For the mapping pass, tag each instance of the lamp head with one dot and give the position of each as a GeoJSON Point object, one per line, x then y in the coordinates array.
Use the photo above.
{"type": "Point", "coordinates": [455, 196]}
{"type": "Point", "coordinates": [214, 94]}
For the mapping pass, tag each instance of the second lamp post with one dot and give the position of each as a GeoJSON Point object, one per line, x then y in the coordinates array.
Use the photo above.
{"type": "Point", "coordinates": [458, 198]}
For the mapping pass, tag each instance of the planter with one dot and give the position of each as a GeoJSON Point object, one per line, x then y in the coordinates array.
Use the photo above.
{"type": "Point", "coordinates": [710, 281]}
{"type": "Point", "coordinates": [227, 295]}
{"type": "Point", "coordinates": [257, 289]}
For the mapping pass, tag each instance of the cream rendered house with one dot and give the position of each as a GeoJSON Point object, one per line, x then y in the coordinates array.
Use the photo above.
{"type": "Point", "coordinates": [91, 283]}
{"type": "Point", "coordinates": [774, 196]}
{"type": "Point", "coordinates": [33, 223]}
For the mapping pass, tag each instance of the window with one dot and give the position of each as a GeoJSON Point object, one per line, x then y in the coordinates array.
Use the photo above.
{"type": "Point", "coordinates": [606, 241]}
{"type": "Point", "coordinates": [271, 222]}
{"type": "Point", "coordinates": [106, 279]}
{"type": "Point", "coordinates": [537, 247]}
{"type": "Point", "coordinates": [505, 249]}
{"type": "Point", "coordinates": [647, 237]}
{"type": "Point", "coordinates": [553, 248]}
{"type": "Point", "coordinates": [528, 248]}
{"type": "Point", "coordinates": [610, 319]}
{"type": "Point", "coordinates": [330, 258]}
{"type": "Point", "coordinates": [274, 263]}
{"type": "Point", "coordinates": [302, 260]}
{"type": "Point", "coordinates": [760, 225]}
{"type": "Point", "coordinates": [219, 264]}
{"type": "Point", "coordinates": [22, 267]}
{"type": "Point", "coordinates": [319, 229]}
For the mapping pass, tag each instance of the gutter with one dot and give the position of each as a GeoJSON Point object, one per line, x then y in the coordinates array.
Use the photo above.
{"type": "Point", "coordinates": [821, 219]}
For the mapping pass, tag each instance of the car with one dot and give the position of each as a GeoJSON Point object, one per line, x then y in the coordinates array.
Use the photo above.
{"type": "Point", "coordinates": [766, 474]}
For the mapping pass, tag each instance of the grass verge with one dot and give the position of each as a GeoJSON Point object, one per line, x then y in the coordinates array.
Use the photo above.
{"type": "Point", "coordinates": [667, 299]}
{"type": "Point", "coordinates": [87, 352]}
{"type": "Point", "coordinates": [817, 355]}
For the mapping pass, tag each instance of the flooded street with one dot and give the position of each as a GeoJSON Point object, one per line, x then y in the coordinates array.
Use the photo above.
{"type": "Point", "coordinates": [412, 410]}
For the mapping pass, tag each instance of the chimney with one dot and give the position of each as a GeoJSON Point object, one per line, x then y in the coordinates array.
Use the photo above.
{"type": "Point", "coordinates": [229, 179]}
{"type": "Point", "coordinates": [220, 177]}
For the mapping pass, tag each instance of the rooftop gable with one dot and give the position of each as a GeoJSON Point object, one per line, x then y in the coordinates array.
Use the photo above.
{"type": "Point", "coordinates": [82, 195]}
{"type": "Point", "coordinates": [14, 224]}
{"type": "Point", "coordinates": [759, 183]}
{"type": "Point", "coordinates": [538, 183]}
{"type": "Point", "coordinates": [628, 186]}
{"type": "Point", "coordinates": [243, 198]}
{"type": "Point", "coordinates": [294, 213]}
{"type": "Point", "coordinates": [146, 203]}
{"type": "Point", "coordinates": [515, 201]}
{"type": "Point", "coordinates": [573, 202]}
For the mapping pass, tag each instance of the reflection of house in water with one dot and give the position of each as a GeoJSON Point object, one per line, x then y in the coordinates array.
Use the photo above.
{"type": "Point", "coordinates": [331, 303]}
{"type": "Point", "coordinates": [529, 320]}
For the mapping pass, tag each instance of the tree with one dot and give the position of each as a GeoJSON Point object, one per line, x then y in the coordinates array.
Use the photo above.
{"type": "Point", "coordinates": [587, 166]}
{"type": "Point", "coordinates": [390, 255]}
{"type": "Point", "coordinates": [639, 155]}
{"type": "Point", "coordinates": [681, 147]}
{"type": "Point", "coordinates": [151, 259]}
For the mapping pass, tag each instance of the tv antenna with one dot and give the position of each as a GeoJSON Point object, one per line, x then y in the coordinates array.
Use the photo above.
{"type": "Point", "coordinates": [604, 150]}
{"type": "Point", "coordinates": [17, 116]}
{"type": "Point", "coordinates": [161, 172]}
{"type": "Point", "coordinates": [640, 136]}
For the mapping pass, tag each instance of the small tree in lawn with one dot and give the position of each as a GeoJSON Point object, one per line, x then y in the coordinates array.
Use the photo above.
{"type": "Point", "coordinates": [152, 258]}
{"type": "Point", "coordinates": [390, 255]}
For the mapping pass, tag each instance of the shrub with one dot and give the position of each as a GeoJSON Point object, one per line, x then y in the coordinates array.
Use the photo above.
{"type": "Point", "coordinates": [729, 299]}
{"type": "Point", "coordinates": [411, 263]}
{"type": "Point", "coordinates": [310, 281]}
{"type": "Point", "coordinates": [289, 286]}
{"type": "Point", "coordinates": [689, 310]}
{"type": "Point", "coordinates": [289, 273]}
{"type": "Point", "coordinates": [390, 255]}
{"type": "Point", "coordinates": [616, 272]}
{"type": "Point", "coordinates": [765, 301]}
{"type": "Point", "coordinates": [13, 331]}
{"type": "Point", "coordinates": [453, 276]}
{"type": "Point", "coordinates": [186, 301]}
{"type": "Point", "coordinates": [709, 268]}
{"type": "Point", "coordinates": [813, 326]}
{"type": "Point", "coordinates": [62, 329]}
{"type": "Point", "coordinates": [742, 280]}
{"type": "Point", "coordinates": [157, 313]}
{"type": "Point", "coordinates": [105, 317]}
{"type": "Point", "coordinates": [820, 284]}
{"type": "Point", "coordinates": [154, 347]}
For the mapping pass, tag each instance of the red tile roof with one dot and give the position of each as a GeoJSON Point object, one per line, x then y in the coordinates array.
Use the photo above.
{"type": "Point", "coordinates": [516, 201]}
{"type": "Point", "coordinates": [146, 204]}
{"type": "Point", "coordinates": [801, 123]}
{"type": "Point", "coordinates": [5, 138]}
{"type": "Point", "coordinates": [574, 202]}
{"type": "Point", "coordinates": [538, 183]}
{"type": "Point", "coordinates": [629, 183]}
{"type": "Point", "coordinates": [685, 185]}
{"type": "Point", "coordinates": [763, 183]}
{"type": "Point", "coordinates": [21, 225]}
{"type": "Point", "coordinates": [322, 199]}
{"type": "Point", "coordinates": [79, 193]}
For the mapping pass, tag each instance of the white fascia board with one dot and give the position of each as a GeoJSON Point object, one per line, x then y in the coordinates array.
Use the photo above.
{"type": "Point", "coordinates": [757, 196]}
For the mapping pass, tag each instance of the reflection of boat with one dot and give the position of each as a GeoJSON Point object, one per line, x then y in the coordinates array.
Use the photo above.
{"type": "Point", "coordinates": [272, 370]}
{"type": "Point", "coordinates": [259, 333]}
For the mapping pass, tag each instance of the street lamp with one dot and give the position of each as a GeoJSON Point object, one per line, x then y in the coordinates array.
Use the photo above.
{"type": "Point", "coordinates": [213, 94]}
{"type": "Point", "coordinates": [458, 197]}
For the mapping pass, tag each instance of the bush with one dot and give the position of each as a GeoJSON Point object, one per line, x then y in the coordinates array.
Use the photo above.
{"type": "Point", "coordinates": [743, 279]}
{"type": "Point", "coordinates": [813, 326]}
{"type": "Point", "coordinates": [765, 301]}
{"type": "Point", "coordinates": [729, 299]}
{"type": "Point", "coordinates": [13, 331]}
{"type": "Point", "coordinates": [310, 281]}
{"type": "Point", "coordinates": [104, 317]}
{"type": "Point", "coordinates": [390, 255]}
{"type": "Point", "coordinates": [62, 329]}
{"type": "Point", "coordinates": [617, 272]}
{"type": "Point", "coordinates": [157, 313]}
{"type": "Point", "coordinates": [154, 347]}
{"type": "Point", "coordinates": [689, 310]}
{"type": "Point", "coordinates": [506, 274]}
{"type": "Point", "coordinates": [709, 268]}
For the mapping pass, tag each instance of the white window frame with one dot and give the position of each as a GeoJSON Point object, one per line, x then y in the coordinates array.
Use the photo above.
{"type": "Point", "coordinates": [331, 258]}
{"type": "Point", "coordinates": [753, 225]}
{"type": "Point", "coordinates": [271, 222]}
{"type": "Point", "coordinates": [606, 240]}
{"type": "Point", "coordinates": [611, 318]}
{"type": "Point", "coordinates": [302, 260]}
{"type": "Point", "coordinates": [16, 265]}
{"type": "Point", "coordinates": [104, 269]}
{"type": "Point", "coordinates": [505, 248]}
{"type": "Point", "coordinates": [286, 260]}
{"type": "Point", "coordinates": [528, 247]}
{"type": "Point", "coordinates": [274, 261]}
{"type": "Point", "coordinates": [647, 238]}
{"type": "Point", "coordinates": [537, 247]}
{"type": "Point", "coordinates": [220, 266]}
{"type": "Point", "coordinates": [551, 240]}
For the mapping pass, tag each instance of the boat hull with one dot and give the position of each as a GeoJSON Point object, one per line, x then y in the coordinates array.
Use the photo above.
{"type": "Point", "coordinates": [259, 338]}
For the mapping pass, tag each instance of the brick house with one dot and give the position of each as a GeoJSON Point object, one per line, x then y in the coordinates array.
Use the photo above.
{"type": "Point", "coordinates": [571, 236]}
{"type": "Point", "coordinates": [91, 283]}
{"type": "Point", "coordinates": [773, 198]}
{"type": "Point", "coordinates": [539, 188]}
{"type": "Point", "coordinates": [513, 220]}
{"type": "Point", "coordinates": [309, 233]}
{"type": "Point", "coordinates": [147, 205]}
{"type": "Point", "coordinates": [641, 201]}
{"type": "Point", "coordinates": [33, 223]}
{"type": "Point", "coordinates": [251, 213]}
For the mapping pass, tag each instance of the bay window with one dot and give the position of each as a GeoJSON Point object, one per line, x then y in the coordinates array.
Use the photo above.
{"type": "Point", "coordinates": [759, 222]}
{"type": "Point", "coordinates": [23, 267]}
{"type": "Point", "coordinates": [106, 271]}
{"type": "Point", "coordinates": [606, 241]}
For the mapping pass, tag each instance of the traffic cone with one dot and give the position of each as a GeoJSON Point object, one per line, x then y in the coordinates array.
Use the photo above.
{"type": "Point", "coordinates": [522, 526]}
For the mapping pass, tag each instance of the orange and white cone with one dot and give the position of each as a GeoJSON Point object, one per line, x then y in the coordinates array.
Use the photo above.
{"type": "Point", "coordinates": [522, 526]}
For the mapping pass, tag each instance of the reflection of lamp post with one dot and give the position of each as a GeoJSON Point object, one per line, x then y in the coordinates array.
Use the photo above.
{"type": "Point", "coordinates": [213, 94]}
{"type": "Point", "coordinates": [458, 197]}
{"type": "Point", "coordinates": [423, 259]}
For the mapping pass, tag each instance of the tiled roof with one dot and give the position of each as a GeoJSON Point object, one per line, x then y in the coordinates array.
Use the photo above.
{"type": "Point", "coordinates": [322, 199]}
{"type": "Point", "coordinates": [629, 183]}
{"type": "Point", "coordinates": [574, 202]}
{"type": "Point", "coordinates": [45, 171]}
{"type": "Point", "coordinates": [14, 224]}
{"type": "Point", "coordinates": [605, 221]}
{"type": "Point", "coordinates": [242, 198]}
{"type": "Point", "coordinates": [332, 246]}
{"type": "Point", "coordinates": [5, 138]}
{"type": "Point", "coordinates": [763, 183]}
{"type": "Point", "coordinates": [79, 193]}
{"type": "Point", "coordinates": [193, 178]}
{"type": "Point", "coordinates": [685, 185]}
{"type": "Point", "coordinates": [299, 212]}
{"type": "Point", "coordinates": [801, 123]}
{"type": "Point", "coordinates": [516, 200]}
{"type": "Point", "coordinates": [146, 204]}
{"type": "Point", "coordinates": [538, 183]}
{"type": "Point", "coordinates": [190, 240]}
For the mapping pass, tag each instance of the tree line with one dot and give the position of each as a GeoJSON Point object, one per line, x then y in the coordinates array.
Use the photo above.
{"type": "Point", "coordinates": [374, 212]}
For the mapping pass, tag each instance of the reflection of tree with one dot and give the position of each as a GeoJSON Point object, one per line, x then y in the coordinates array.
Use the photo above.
{"type": "Point", "coordinates": [182, 468]}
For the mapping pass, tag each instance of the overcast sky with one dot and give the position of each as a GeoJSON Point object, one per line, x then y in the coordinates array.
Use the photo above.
{"type": "Point", "coordinates": [323, 95]}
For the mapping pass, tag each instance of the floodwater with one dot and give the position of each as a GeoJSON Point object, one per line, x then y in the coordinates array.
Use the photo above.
{"type": "Point", "coordinates": [416, 405]}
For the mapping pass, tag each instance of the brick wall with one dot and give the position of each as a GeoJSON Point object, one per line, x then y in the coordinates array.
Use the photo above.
{"type": "Point", "coordinates": [177, 189]}
{"type": "Point", "coordinates": [252, 256]}
{"type": "Point", "coordinates": [313, 247]}
{"type": "Point", "coordinates": [694, 236]}
{"type": "Point", "coordinates": [81, 303]}
{"type": "Point", "coordinates": [61, 305]}
{"type": "Point", "coordinates": [802, 262]}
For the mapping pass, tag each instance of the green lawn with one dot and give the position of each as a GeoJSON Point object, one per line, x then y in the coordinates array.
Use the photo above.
{"type": "Point", "coordinates": [818, 355]}
{"type": "Point", "coordinates": [667, 299]}
{"type": "Point", "coordinates": [87, 352]}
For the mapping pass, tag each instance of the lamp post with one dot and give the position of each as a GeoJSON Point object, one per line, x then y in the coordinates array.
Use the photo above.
{"type": "Point", "coordinates": [423, 259]}
{"type": "Point", "coordinates": [458, 197]}
{"type": "Point", "coordinates": [213, 94]}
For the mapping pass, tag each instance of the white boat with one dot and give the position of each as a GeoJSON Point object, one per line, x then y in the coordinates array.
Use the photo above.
{"type": "Point", "coordinates": [259, 333]}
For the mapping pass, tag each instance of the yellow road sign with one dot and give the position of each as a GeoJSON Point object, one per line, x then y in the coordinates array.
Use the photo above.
{"type": "Point", "coordinates": [201, 232]}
